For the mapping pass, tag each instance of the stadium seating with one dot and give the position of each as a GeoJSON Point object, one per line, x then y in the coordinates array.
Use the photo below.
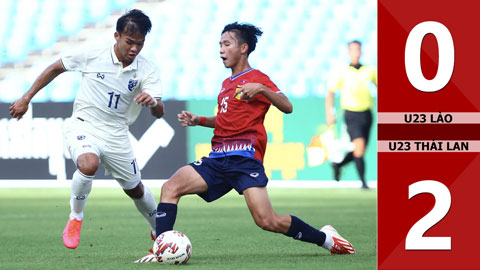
{"type": "Point", "coordinates": [304, 41]}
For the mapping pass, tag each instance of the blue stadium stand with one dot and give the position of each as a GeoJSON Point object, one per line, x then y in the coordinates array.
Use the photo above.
{"type": "Point", "coordinates": [303, 41]}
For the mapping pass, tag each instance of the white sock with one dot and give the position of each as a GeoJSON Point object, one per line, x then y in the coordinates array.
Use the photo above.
{"type": "Point", "coordinates": [328, 241]}
{"type": "Point", "coordinates": [147, 207]}
{"type": "Point", "coordinates": [81, 187]}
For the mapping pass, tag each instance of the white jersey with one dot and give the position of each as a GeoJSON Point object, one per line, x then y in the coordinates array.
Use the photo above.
{"type": "Point", "coordinates": [107, 90]}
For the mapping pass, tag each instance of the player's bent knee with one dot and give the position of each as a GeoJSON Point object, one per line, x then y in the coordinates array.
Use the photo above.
{"type": "Point", "coordinates": [87, 164]}
{"type": "Point", "coordinates": [87, 169]}
{"type": "Point", "coordinates": [170, 190]}
{"type": "Point", "coordinates": [267, 224]}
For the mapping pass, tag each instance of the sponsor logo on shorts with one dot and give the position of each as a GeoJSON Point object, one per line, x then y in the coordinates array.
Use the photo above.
{"type": "Point", "coordinates": [161, 214]}
{"type": "Point", "coordinates": [81, 137]}
{"type": "Point", "coordinates": [299, 235]}
{"type": "Point", "coordinates": [83, 197]}
{"type": "Point", "coordinates": [198, 162]}
{"type": "Point", "coordinates": [254, 174]}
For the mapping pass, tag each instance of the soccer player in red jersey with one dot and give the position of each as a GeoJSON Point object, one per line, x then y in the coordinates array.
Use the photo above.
{"type": "Point", "coordinates": [238, 148]}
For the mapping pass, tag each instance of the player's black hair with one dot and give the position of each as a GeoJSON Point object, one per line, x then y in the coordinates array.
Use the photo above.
{"type": "Point", "coordinates": [355, 41]}
{"type": "Point", "coordinates": [134, 21]}
{"type": "Point", "coordinates": [245, 33]}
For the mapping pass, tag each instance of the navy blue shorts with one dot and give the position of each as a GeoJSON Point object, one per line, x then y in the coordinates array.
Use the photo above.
{"type": "Point", "coordinates": [223, 174]}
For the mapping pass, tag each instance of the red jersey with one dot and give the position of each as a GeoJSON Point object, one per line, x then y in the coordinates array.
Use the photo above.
{"type": "Point", "coordinates": [239, 128]}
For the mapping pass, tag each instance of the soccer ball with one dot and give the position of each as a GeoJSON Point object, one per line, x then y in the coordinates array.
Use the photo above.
{"type": "Point", "coordinates": [172, 247]}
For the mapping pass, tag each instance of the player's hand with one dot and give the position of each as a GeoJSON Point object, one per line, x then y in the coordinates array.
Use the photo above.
{"type": "Point", "coordinates": [19, 107]}
{"type": "Point", "coordinates": [144, 99]}
{"type": "Point", "coordinates": [188, 119]}
{"type": "Point", "coordinates": [248, 91]}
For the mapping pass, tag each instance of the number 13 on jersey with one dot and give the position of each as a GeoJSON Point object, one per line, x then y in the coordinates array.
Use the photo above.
{"type": "Point", "coordinates": [427, 194]}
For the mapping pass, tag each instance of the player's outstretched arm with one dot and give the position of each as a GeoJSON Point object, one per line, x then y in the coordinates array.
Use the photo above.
{"type": "Point", "coordinates": [187, 118]}
{"type": "Point", "coordinates": [279, 100]}
{"type": "Point", "coordinates": [155, 104]}
{"type": "Point", "coordinates": [19, 107]}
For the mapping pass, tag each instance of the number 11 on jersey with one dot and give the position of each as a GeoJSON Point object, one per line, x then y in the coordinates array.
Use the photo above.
{"type": "Point", "coordinates": [111, 100]}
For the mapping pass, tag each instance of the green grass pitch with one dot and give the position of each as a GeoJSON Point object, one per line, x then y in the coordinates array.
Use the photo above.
{"type": "Point", "coordinates": [222, 233]}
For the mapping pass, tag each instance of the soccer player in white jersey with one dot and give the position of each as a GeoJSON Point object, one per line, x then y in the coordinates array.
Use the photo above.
{"type": "Point", "coordinates": [116, 83]}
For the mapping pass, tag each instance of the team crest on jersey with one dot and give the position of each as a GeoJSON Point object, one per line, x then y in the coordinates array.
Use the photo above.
{"type": "Point", "coordinates": [132, 84]}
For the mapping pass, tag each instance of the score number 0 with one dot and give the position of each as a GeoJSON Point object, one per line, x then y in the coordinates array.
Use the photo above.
{"type": "Point", "coordinates": [446, 58]}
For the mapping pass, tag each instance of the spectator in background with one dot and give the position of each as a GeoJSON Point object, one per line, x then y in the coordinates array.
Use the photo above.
{"type": "Point", "coordinates": [356, 101]}
{"type": "Point", "coordinates": [116, 83]}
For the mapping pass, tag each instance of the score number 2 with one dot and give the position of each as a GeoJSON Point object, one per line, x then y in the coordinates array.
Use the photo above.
{"type": "Point", "coordinates": [443, 200]}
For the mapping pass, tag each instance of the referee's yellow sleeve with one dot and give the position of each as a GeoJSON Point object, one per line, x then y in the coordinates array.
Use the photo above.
{"type": "Point", "coordinates": [336, 82]}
